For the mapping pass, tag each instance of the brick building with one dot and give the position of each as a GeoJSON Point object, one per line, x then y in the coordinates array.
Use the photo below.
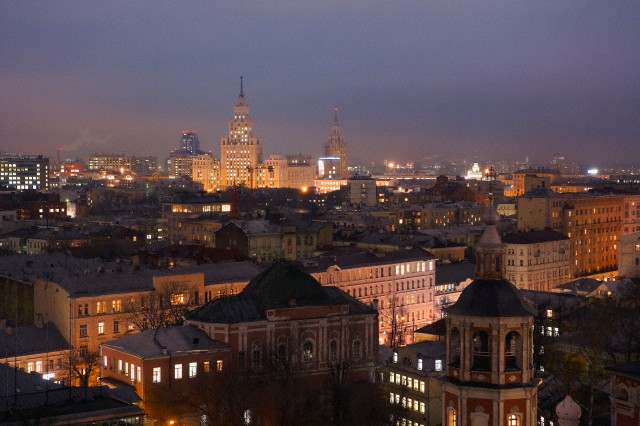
{"type": "Point", "coordinates": [168, 359]}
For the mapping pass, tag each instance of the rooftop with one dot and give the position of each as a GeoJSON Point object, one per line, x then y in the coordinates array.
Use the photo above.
{"type": "Point", "coordinates": [176, 340]}
{"type": "Point", "coordinates": [533, 237]}
{"type": "Point", "coordinates": [491, 298]}
{"type": "Point", "coordinates": [283, 285]}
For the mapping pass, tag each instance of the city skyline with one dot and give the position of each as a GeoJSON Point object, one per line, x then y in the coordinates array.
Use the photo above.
{"type": "Point", "coordinates": [433, 80]}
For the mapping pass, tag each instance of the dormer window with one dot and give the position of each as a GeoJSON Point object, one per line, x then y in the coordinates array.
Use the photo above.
{"type": "Point", "coordinates": [395, 357]}
{"type": "Point", "coordinates": [420, 366]}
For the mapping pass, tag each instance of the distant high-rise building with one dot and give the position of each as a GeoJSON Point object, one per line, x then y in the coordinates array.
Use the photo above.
{"type": "Point", "coordinates": [241, 150]}
{"type": "Point", "coordinates": [189, 142]}
{"type": "Point", "coordinates": [24, 171]}
{"type": "Point", "coordinates": [336, 147]}
{"type": "Point", "coordinates": [118, 162]}
{"type": "Point", "coordinates": [180, 161]}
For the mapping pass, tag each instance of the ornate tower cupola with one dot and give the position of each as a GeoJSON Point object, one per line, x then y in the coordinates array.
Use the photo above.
{"type": "Point", "coordinates": [490, 377]}
{"type": "Point", "coordinates": [490, 250]}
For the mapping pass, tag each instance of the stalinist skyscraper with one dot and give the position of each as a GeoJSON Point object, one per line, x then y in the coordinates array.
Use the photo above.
{"type": "Point", "coordinates": [336, 147]}
{"type": "Point", "coordinates": [241, 151]}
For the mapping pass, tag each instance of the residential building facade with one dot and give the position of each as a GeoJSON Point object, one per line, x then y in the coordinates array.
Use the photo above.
{"type": "Point", "coordinates": [537, 259]}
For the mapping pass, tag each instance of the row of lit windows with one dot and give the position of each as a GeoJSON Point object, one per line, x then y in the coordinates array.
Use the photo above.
{"type": "Point", "coordinates": [409, 403]}
{"type": "Point", "coordinates": [409, 382]}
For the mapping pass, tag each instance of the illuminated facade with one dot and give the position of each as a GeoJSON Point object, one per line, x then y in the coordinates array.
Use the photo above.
{"type": "Point", "coordinates": [98, 162]}
{"type": "Point", "coordinates": [206, 170]}
{"type": "Point", "coordinates": [537, 260]}
{"type": "Point", "coordinates": [593, 223]}
{"type": "Point", "coordinates": [401, 281]}
{"type": "Point", "coordinates": [241, 150]}
{"type": "Point", "coordinates": [24, 172]}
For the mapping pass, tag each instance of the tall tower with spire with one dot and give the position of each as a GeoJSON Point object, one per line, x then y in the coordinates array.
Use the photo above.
{"type": "Point", "coordinates": [241, 150]}
{"type": "Point", "coordinates": [489, 380]}
{"type": "Point", "coordinates": [336, 147]}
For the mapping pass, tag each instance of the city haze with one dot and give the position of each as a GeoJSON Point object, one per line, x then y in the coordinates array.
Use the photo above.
{"type": "Point", "coordinates": [412, 79]}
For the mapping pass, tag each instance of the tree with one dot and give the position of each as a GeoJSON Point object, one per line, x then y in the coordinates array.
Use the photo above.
{"type": "Point", "coordinates": [84, 367]}
{"type": "Point", "coordinates": [162, 307]}
{"type": "Point", "coordinates": [395, 318]}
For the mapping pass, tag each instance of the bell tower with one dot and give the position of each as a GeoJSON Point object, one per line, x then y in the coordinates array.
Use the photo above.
{"type": "Point", "coordinates": [490, 376]}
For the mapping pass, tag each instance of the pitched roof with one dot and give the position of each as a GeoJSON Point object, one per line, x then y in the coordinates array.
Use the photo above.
{"type": "Point", "coordinates": [284, 285]}
{"type": "Point", "coordinates": [174, 339]}
{"type": "Point", "coordinates": [29, 339]}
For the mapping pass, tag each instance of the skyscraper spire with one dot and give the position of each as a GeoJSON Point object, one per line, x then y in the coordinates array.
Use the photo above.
{"type": "Point", "coordinates": [337, 148]}
{"type": "Point", "coordinates": [241, 88]}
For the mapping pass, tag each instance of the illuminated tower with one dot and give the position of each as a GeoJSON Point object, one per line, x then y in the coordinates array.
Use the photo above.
{"type": "Point", "coordinates": [241, 151]}
{"type": "Point", "coordinates": [489, 379]}
{"type": "Point", "coordinates": [335, 147]}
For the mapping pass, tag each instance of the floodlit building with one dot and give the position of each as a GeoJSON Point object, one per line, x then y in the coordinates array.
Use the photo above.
{"type": "Point", "coordinates": [241, 150]}
{"type": "Point", "coordinates": [537, 259]}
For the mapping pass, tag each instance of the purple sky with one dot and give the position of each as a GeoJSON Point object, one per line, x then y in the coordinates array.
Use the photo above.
{"type": "Point", "coordinates": [413, 79]}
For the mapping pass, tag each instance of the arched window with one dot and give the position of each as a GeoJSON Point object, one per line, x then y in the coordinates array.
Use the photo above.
{"type": "Point", "coordinates": [357, 349]}
{"type": "Point", "coordinates": [256, 355]}
{"type": "Point", "coordinates": [452, 417]}
{"type": "Point", "coordinates": [513, 420]}
{"type": "Point", "coordinates": [282, 354]}
{"type": "Point", "coordinates": [512, 351]}
{"type": "Point", "coordinates": [481, 354]}
{"type": "Point", "coordinates": [333, 350]}
{"type": "Point", "coordinates": [454, 348]}
{"type": "Point", "coordinates": [307, 351]}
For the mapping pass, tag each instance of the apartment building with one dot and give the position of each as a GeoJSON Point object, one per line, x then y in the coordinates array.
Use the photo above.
{"type": "Point", "coordinates": [537, 259]}
{"type": "Point", "coordinates": [400, 282]}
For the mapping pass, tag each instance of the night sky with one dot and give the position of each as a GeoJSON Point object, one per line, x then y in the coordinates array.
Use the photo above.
{"type": "Point", "coordinates": [413, 80]}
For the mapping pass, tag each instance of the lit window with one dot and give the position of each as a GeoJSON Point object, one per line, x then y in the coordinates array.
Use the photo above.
{"type": "Point", "coordinates": [513, 420]}
{"type": "Point", "coordinates": [452, 417]}
{"type": "Point", "coordinates": [420, 363]}
{"type": "Point", "coordinates": [38, 366]}
{"type": "Point", "coordinates": [307, 351]}
{"type": "Point", "coordinates": [100, 328]}
{"type": "Point", "coordinates": [156, 374]}
{"type": "Point", "coordinates": [178, 299]}
{"type": "Point", "coordinates": [438, 365]}
{"type": "Point", "coordinates": [193, 369]}
{"type": "Point", "coordinates": [177, 371]}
